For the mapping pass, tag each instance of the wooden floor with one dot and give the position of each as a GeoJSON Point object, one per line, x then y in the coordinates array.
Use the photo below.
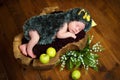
{"type": "Point", "coordinates": [106, 13]}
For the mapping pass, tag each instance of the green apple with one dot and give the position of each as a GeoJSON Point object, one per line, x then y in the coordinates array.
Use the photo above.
{"type": "Point", "coordinates": [51, 52]}
{"type": "Point", "coordinates": [76, 74]}
{"type": "Point", "coordinates": [44, 58]}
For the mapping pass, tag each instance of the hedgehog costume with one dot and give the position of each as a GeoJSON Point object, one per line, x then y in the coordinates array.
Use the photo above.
{"type": "Point", "coordinates": [48, 25]}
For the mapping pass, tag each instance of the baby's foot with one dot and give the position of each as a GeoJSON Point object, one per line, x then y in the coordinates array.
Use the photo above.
{"type": "Point", "coordinates": [23, 49]}
{"type": "Point", "coordinates": [30, 53]}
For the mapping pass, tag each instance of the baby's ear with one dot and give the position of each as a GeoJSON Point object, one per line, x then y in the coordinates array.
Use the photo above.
{"type": "Point", "coordinates": [93, 23]}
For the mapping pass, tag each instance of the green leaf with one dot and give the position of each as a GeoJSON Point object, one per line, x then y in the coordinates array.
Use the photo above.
{"type": "Point", "coordinates": [86, 61]}
{"type": "Point", "coordinates": [96, 56]}
{"type": "Point", "coordinates": [70, 64]}
{"type": "Point", "coordinates": [78, 63]}
{"type": "Point", "coordinates": [95, 68]}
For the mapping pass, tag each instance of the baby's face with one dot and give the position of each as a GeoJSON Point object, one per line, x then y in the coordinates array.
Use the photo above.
{"type": "Point", "coordinates": [76, 26]}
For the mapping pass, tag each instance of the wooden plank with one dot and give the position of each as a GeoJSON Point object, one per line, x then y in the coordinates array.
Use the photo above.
{"type": "Point", "coordinates": [28, 8]}
{"type": "Point", "coordinates": [52, 3]}
{"type": "Point", "coordinates": [49, 75]}
{"type": "Point", "coordinates": [3, 73]}
{"type": "Point", "coordinates": [31, 74]}
{"type": "Point", "coordinates": [64, 74]}
{"type": "Point", "coordinates": [7, 30]}
{"type": "Point", "coordinates": [33, 7]}
{"type": "Point", "coordinates": [16, 13]}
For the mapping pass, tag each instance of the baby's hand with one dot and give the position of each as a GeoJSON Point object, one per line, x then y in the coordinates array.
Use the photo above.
{"type": "Point", "coordinates": [73, 35]}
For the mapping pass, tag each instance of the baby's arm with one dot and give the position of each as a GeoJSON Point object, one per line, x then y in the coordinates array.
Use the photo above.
{"type": "Point", "coordinates": [63, 33]}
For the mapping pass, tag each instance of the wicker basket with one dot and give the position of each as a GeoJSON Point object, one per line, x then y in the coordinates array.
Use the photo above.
{"type": "Point", "coordinates": [35, 63]}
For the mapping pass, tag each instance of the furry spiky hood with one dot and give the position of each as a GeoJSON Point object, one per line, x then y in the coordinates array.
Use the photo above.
{"type": "Point", "coordinates": [78, 14]}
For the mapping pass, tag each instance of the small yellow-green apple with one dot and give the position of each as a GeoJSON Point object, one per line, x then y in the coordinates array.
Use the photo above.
{"type": "Point", "coordinates": [51, 52]}
{"type": "Point", "coordinates": [44, 58]}
{"type": "Point", "coordinates": [76, 74]}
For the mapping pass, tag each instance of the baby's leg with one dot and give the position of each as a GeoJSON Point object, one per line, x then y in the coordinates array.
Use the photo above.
{"type": "Point", "coordinates": [33, 41]}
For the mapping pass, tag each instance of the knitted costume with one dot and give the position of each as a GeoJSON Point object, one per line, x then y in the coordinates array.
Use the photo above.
{"type": "Point", "coordinates": [48, 25]}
